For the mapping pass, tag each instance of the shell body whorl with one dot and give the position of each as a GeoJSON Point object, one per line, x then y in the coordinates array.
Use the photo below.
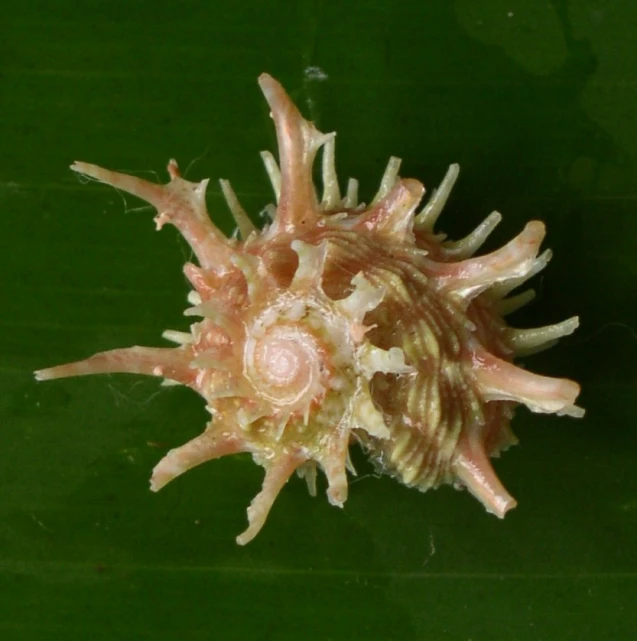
{"type": "Point", "coordinates": [340, 323]}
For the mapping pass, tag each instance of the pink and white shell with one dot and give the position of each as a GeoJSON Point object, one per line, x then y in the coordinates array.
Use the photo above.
{"type": "Point", "coordinates": [340, 323]}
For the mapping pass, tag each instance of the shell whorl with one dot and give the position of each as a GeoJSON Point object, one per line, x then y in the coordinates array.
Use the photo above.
{"type": "Point", "coordinates": [284, 366]}
{"type": "Point", "coordinates": [342, 322]}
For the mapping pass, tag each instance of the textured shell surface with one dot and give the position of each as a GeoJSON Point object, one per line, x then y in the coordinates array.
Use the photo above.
{"type": "Point", "coordinates": [342, 323]}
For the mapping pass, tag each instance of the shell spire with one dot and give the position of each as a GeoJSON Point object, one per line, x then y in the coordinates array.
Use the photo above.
{"type": "Point", "coordinates": [343, 323]}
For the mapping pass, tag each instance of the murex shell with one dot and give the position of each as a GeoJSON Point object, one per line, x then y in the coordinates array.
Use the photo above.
{"type": "Point", "coordinates": [342, 322]}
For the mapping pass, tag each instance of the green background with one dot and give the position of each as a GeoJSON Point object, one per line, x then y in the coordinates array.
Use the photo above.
{"type": "Point", "coordinates": [536, 100]}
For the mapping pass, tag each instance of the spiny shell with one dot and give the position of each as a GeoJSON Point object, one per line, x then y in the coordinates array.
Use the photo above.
{"type": "Point", "coordinates": [341, 322]}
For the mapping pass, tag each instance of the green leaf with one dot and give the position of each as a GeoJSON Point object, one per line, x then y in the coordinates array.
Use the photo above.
{"type": "Point", "coordinates": [537, 103]}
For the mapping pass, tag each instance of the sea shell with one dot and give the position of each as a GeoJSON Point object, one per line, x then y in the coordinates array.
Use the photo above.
{"type": "Point", "coordinates": [341, 322]}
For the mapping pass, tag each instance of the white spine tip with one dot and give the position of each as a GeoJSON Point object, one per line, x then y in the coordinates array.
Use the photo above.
{"type": "Point", "coordinates": [427, 218]}
{"type": "Point", "coordinates": [388, 180]}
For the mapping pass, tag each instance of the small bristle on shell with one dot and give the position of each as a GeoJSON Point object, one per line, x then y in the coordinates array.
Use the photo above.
{"type": "Point", "coordinates": [342, 323]}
